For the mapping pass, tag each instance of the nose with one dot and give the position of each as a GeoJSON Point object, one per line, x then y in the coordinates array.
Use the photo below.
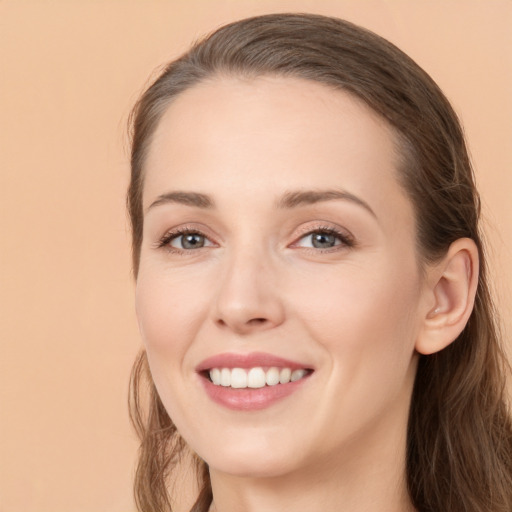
{"type": "Point", "coordinates": [249, 299]}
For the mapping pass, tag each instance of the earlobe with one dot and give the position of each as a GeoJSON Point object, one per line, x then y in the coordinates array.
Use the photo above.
{"type": "Point", "coordinates": [453, 288]}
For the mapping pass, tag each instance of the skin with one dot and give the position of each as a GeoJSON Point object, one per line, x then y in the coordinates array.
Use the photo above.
{"type": "Point", "coordinates": [354, 312]}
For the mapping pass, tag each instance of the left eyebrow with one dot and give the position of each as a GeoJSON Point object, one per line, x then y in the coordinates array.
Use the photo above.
{"type": "Point", "coordinates": [293, 199]}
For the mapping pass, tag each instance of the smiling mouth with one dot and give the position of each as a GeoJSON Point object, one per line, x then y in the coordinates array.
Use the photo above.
{"type": "Point", "coordinates": [254, 378]}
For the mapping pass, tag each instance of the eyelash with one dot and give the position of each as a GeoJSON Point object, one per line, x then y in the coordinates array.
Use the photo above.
{"type": "Point", "coordinates": [165, 241]}
{"type": "Point", "coordinates": [346, 240]}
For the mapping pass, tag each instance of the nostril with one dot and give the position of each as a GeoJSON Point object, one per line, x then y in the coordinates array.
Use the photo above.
{"type": "Point", "coordinates": [257, 321]}
{"type": "Point", "coordinates": [243, 325]}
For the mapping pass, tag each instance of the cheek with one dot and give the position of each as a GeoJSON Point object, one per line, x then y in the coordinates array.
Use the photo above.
{"type": "Point", "coordinates": [169, 315]}
{"type": "Point", "coordinates": [361, 323]}
{"type": "Point", "coordinates": [366, 322]}
{"type": "Point", "coordinates": [168, 311]}
{"type": "Point", "coordinates": [356, 298]}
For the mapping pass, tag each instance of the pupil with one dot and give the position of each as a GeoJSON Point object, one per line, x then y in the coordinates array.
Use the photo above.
{"type": "Point", "coordinates": [192, 241]}
{"type": "Point", "coordinates": [323, 240]}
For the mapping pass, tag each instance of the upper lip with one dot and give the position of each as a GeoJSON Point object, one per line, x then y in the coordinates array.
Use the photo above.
{"type": "Point", "coordinates": [251, 360]}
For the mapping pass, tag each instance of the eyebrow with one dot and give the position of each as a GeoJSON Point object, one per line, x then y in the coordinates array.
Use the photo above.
{"type": "Point", "coordinates": [288, 200]}
{"type": "Point", "coordinates": [187, 198]}
{"type": "Point", "coordinates": [297, 198]}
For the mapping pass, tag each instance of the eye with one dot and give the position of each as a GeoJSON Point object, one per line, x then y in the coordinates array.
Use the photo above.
{"type": "Point", "coordinates": [185, 240]}
{"type": "Point", "coordinates": [189, 241]}
{"type": "Point", "coordinates": [323, 239]}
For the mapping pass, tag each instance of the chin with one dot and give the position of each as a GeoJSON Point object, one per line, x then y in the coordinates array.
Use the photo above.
{"type": "Point", "coordinates": [252, 463]}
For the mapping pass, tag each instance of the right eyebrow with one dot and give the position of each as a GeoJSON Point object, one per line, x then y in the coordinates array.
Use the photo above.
{"type": "Point", "coordinates": [187, 198]}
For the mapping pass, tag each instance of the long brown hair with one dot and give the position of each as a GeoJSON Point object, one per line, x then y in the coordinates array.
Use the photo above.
{"type": "Point", "coordinates": [459, 446]}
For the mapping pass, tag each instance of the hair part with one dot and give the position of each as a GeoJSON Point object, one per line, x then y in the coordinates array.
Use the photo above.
{"type": "Point", "coordinates": [459, 446]}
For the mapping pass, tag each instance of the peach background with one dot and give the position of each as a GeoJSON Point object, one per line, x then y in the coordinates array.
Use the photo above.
{"type": "Point", "coordinates": [69, 72]}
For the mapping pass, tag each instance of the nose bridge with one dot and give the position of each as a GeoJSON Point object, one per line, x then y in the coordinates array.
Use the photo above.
{"type": "Point", "coordinates": [248, 295]}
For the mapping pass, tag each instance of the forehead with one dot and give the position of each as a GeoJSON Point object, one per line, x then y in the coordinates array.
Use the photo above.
{"type": "Point", "coordinates": [272, 134]}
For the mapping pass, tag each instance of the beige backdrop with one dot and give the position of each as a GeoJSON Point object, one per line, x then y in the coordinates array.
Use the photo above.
{"type": "Point", "coordinates": [69, 72]}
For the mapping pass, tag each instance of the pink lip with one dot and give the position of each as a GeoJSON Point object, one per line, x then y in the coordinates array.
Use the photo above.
{"type": "Point", "coordinates": [249, 399]}
{"type": "Point", "coordinates": [231, 360]}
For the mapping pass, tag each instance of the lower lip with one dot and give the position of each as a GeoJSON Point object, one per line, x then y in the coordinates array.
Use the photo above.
{"type": "Point", "coordinates": [249, 399]}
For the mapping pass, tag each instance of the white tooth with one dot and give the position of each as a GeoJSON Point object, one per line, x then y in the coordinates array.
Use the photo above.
{"type": "Point", "coordinates": [297, 374]}
{"type": "Point", "coordinates": [238, 378]}
{"type": "Point", "coordinates": [215, 376]}
{"type": "Point", "coordinates": [284, 375]}
{"type": "Point", "coordinates": [256, 378]}
{"type": "Point", "coordinates": [272, 376]}
{"type": "Point", "coordinates": [225, 377]}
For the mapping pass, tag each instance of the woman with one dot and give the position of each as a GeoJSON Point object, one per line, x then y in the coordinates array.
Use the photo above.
{"type": "Point", "coordinates": [311, 282]}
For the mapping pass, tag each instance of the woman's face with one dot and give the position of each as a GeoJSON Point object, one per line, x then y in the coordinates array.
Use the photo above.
{"type": "Point", "coordinates": [278, 240]}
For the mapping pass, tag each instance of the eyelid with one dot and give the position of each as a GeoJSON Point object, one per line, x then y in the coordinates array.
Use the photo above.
{"type": "Point", "coordinates": [164, 241]}
{"type": "Point", "coordinates": [346, 238]}
{"type": "Point", "coordinates": [184, 235]}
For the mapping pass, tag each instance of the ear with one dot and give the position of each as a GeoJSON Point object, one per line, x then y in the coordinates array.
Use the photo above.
{"type": "Point", "coordinates": [452, 285]}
